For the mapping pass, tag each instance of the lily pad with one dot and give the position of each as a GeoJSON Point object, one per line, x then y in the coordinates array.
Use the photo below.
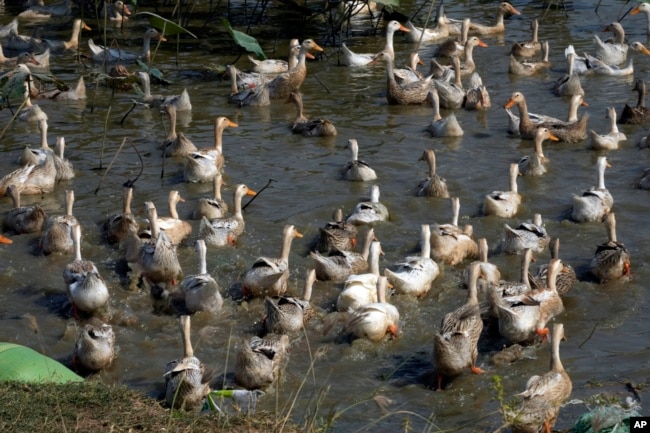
{"type": "Point", "coordinates": [168, 28]}
{"type": "Point", "coordinates": [245, 41]}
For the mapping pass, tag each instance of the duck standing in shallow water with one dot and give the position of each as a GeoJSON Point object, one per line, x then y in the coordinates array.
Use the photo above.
{"type": "Point", "coordinates": [357, 170]}
{"type": "Point", "coordinates": [433, 185]}
{"type": "Point", "coordinates": [369, 212]}
{"type": "Point", "coordinates": [259, 361]}
{"type": "Point", "coordinates": [287, 314]}
{"type": "Point", "coordinates": [201, 290]}
{"type": "Point", "coordinates": [157, 257]}
{"type": "Point", "coordinates": [203, 165]}
{"type": "Point", "coordinates": [455, 344]}
{"type": "Point", "coordinates": [504, 204]}
{"type": "Point", "coordinates": [594, 203]}
{"type": "Point", "coordinates": [268, 275]}
{"type": "Point", "coordinates": [375, 320]}
{"type": "Point", "coordinates": [185, 384]}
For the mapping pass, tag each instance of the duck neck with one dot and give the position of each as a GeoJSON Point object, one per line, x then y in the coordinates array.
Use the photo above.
{"type": "Point", "coordinates": [435, 103]}
{"type": "Point", "coordinates": [455, 210]}
{"type": "Point", "coordinates": [14, 194]}
{"type": "Point", "coordinates": [73, 42]}
{"type": "Point", "coordinates": [613, 129]}
{"type": "Point", "coordinates": [551, 276]}
{"type": "Point", "coordinates": [126, 205]}
{"type": "Point", "coordinates": [539, 151]}
{"type": "Point", "coordinates": [233, 80]}
{"type": "Point", "coordinates": [373, 258]}
{"type": "Point", "coordinates": [239, 195]}
{"type": "Point", "coordinates": [216, 186]}
{"type": "Point", "coordinates": [556, 362]}
{"type": "Point", "coordinates": [286, 246]}
{"type": "Point", "coordinates": [201, 250]}
{"type": "Point", "coordinates": [611, 228]}
{"type": "Point", "coordinates": [76, 231]}
{"type": "Point", "coordinates": [146, 85]}
{"type": "Point", "coordinates": [535, 26]}
{"type": "Point", "coordinates": [641, 101]}
{"type": "Point", "coordinates": [482, 250]}
{"type": "Point", "coordinates": [60, 147]}
{"type": "Point", "coordinates": [171, 111]}
{"type": "Point", "coordinates": [185, 333]}
{"type": "Point", "coordinates": [472, 288]}
{"type": "Point", "coordinates": [309, 283]}
{"type": "Point", "coordinates": [425, 242]}
{"type": "Point", "coordinates": [469, 56]}
{"type": "Point", "coordinates": [146, 47]}
{"type": "Point", "coordinates": [431, 160]}
{"type": "Point", "coordinates": [389, 48]}
{"type": "Point", "coordinates": [43, 127]}
{"type": "Point", "coordinates": [555, 248]}
{"type": "Point", "coordinates": [602, 164]}
{"type": "Point", "coordinates": [382, 283]}
{"type": "Point", "coordinates": [153, 220]}
{"type": "Point", "coordinates": [573, 109]}
{"type": "Point", "coordinates": [525, 266]}
{"type": "Point", "coordinates": [69, 202]}
{"type": "Point", "coordinates": [173, 199]}
{"type": "Point", "coordinates": [354, 150]}
{"type": "Point", "coordinates": [218, 136]}
{"type": "Point", "coordinates": [370, 237]}
{"type": "Point", "coordinates": [514, 172]}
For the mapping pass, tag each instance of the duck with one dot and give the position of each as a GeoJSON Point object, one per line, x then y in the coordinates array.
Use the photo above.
{"type": "Point", "coordinates": [414, 93]}
{"type": "Point", "coordinates": [18, 42]}
{"type": "Point", "coordinates": [58, 235]}
{"type": "Point", "coordinates": [259, 361]}
{"type": "Point", "coordinates": [565, 280]}
{"type": "Point", "coordinates": [610, 140]}
{"type": "Point", "coordinates": [201, 290]}
{"type": "Point", "coordinates": [369, 212]}
{"type": "Point", "coordinates": [572, 131]}
{"type": "Point", "coordinates": [614, 52]}
{"type": "Point", "coordinates": [534, 165]}
{"type": "Point", "coordinates": [530, 67]}
{"type": "Point", "coordinates": [454, 46]}
{"type": "Point", "coordinates": [94, 349]}
{"type": "Point", "coordinates": [489, 273]}
{"type": "Point", "coordinates": [203, 164]}
{"type": "Point", "coordinates": [357, 170]}
{"type": "Point", "coordinates": [180, 102]}
{"type": "Point", "coordinates": [23, 58]}
{"type": "Point", "coordinates": [341, 263]}
{"type": "Point", "coordinates": [477, 96]}
{"type": "Point", "coordinates": [269, 275]}
{"type": "Point", "coordinates": [590, 65]}
{"type": "Point", "coordinates": [118, 225]}
{"type": "Point", "coordinates": [375, 320]}
{"type": "Point", "coordinates": [544, 395]}
{"type": "Point", "coordinates": [455, 345]}
{"type": "Point", "coordinates": [645, 9]}
{"type": "Point", "coordinates": [528, 48]}
{"type": "Point", "coordinates": [86, 288]}
{"type": "Point", "coordinates": [504, 8]}
{"type": "Point", "coordinates": [176, 143]}
{"type": "Point", "coordinates": [449, 243]}
{"type": "Point", "coordinates": [451, 94]}
{"type": "Point", "coordinates": [175, 228]}
{"type": "Point", "coordinates": [612, 259]}
{"type": "Point", "coordinates": [63, 167]}
{"type": "Point", "coordinates": [36, 156]}
{"type": "Point", "coordinates": [32, 179]}
{"type": "Point", "coordinates": [116, 12]}
{"type": "Point", "coordinates": [531, 235]}
{"type": "Point", "coordinates": [277, 66]}
{"type": "Point", "coordinates": [287, 314]}
{"type": "Point", "coordinates": [309, 127]}
{"type": "Point", "coordinates": [23, 219]}
{"type": "Point", "coordinates": [594, 203]}
{"type": "Point", "coordinates": [211, 207]}
{"type": "Point", "coordinates": [350, 58]}
{"type": "Point", "coordinates": [439, 126]}
{"type": "Point", "coordinates": [337, 235]}
{"type": "Point", "coordinates": [433, 185]}
{"type": "Point", "coordinates": [102, 54]}
{"type": "Point", "coordinates": [225, 230]}
{"type": "Point", "coordinates": [639, 114]}
{"type": "Point", "coordinates": [410, 73]}
{"type": "Point", "coordinates": [504, 204]}
{"type": "Point", "coordinates": [186, 381]}
{"type": "Point", "coordinates": [569, 84]}
{"type": "Point", "coordinates": [424, 34]}
{"type": "Point", "coordinates": [43, 12]}
{"type": "Point", "coordinates": [644, 180]}
{"type": "Point", "coordinates": [508, 288]}
{"type": "Point", "coordinates": [523, 316]}
{"type": "Point", "coordinates": [76, 92]}
{"type": "Point", "coordinates": [414, 275]}
{"type": "Point", "coordinates": [255, 94]}
{"type": "Point", "coordinates": [281, 86]}
{"type": "Point", "coordinates": [361, 289]}
{"type": "Point", "coordinates": [469, 66]}
{"type": "Point", "coordinates": [157, 257]}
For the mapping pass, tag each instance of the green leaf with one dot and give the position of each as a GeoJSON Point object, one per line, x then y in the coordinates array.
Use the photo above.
{"type": "Point", "coordinates": [243, 40]}
{"type": "Point", "coordinates": [168, 28]}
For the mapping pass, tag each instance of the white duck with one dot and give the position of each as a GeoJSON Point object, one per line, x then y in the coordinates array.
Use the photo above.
{"type": "Point", "coordinates": [268, 275]}
{"type": "Point", "coordinates": [113, 55]}
{"type": "Point", "coordinates": [369, 212]}
{"type": "Point", "coordinates": [614, 52]}
{"type": "Point", "coordinates": [181, 102]}
{"type": "Point", "coordinates": [489, 273]}
{"type": "Point", "coordinates": [350, 58]}
{"type": "Point", "coordinates": [594, 203]}
{"type": "Point", "coordinates": [203, 165]}
{"type": "Point", "coordinates": [373, 321]}
{"type": "Point", "coordinates": [201, 290]}
{"type": "Point", "coordinates": [225, 230]}
{"type": "Point", "coordinates": [361, 289]}
{"type": "Point", "coordinates": [610, 140]}
{"type": "Point", "coordinates": [504, 204]}
{"type": "Point", "coordinates": [357, 170]}
{"type": "Point", "coordinates": [414, 275]}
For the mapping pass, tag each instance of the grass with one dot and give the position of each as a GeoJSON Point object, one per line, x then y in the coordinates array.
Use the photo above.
{"type": "Point", "coordinates": [96, 407]}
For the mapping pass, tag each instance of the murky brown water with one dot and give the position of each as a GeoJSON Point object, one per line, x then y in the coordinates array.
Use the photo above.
{"type": "Point", "coordinates": [308, 189]}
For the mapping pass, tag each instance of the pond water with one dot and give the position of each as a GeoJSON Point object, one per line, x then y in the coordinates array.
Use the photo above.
{"type": "Point", "coordinates": [605, 324]}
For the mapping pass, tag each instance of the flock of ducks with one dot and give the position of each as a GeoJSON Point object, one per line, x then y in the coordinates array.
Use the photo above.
{"type": "Point", "coordinates": [523, 309]}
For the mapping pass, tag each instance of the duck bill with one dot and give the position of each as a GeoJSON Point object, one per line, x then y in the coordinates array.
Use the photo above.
{"type": "Point", "coordinates": [5, 240]}
{"type": "Point", "coordinates": [33, 61]}
{"type": "Point", "coordinates": [553, 137]}
{"type": "Point", "coordinates": [232, 124]}
{"type": "Point", "coordinates": [482, 44]}
{"type": "Point", "coordinates": [85, 26]}
{"type": "Point", "coordinates": [645, 51]}
{"type": "Point", "coordinates": [310, 56]}
{"type": "Point", "coordinates": [584, 103]}
{"type": "Point", "coordinates": [297, 234]}
{"type": "Point", "coordinates": [635, 11]}
{"type": "Point", "coordinates": [317, 47]}
{"type": "Point", "coordinates": [251, 192]}
{"type": "Point", "coordinates": [514, 10]}
{"type": "Point", "coordinates": [510, 103]}
{"type": "Point", "coordinates": [404, 29]}
{"type": "Point", "coordinates": [392, 330]}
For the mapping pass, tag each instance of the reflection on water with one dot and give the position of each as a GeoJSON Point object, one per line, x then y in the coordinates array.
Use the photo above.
{"type": "Point", "coordinates": [604, 323]}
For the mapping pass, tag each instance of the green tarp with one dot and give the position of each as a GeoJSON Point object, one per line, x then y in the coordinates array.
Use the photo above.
{"type": "Point", "coordinates": [22, 364]}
